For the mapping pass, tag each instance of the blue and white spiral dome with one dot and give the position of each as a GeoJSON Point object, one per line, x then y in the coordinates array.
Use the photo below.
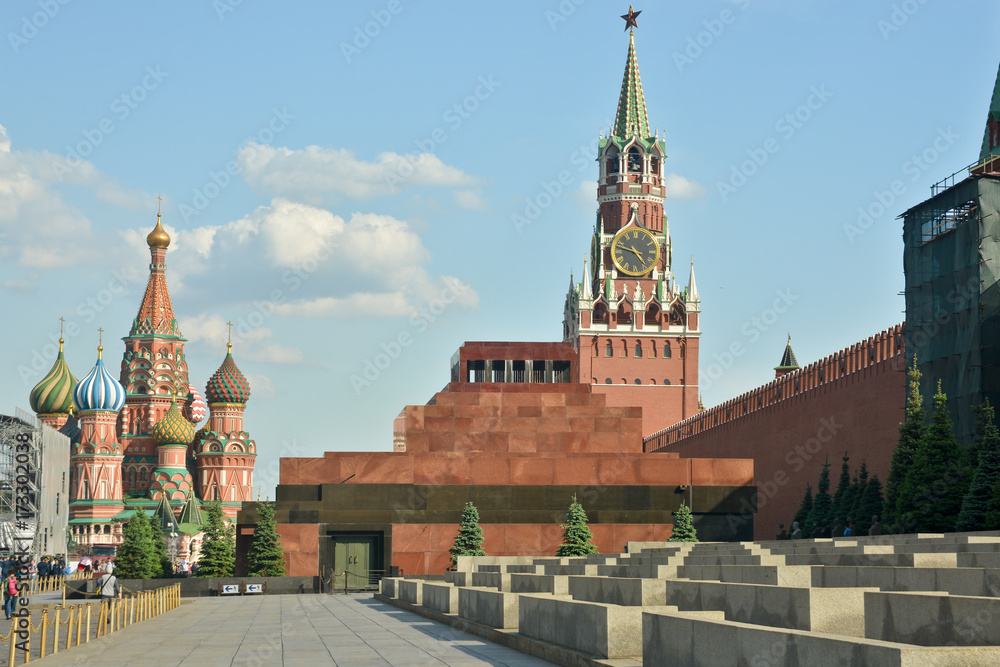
{"type": "Point", "coordinates": [99, 390]}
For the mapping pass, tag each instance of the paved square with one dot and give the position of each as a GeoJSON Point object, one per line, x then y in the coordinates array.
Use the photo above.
{"type": "Point", "coordinates": [292, 630]}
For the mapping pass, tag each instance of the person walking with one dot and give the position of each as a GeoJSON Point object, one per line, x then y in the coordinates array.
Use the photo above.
{"type": "Point", "coordinates": [107, 587]}
{"type": "Point", "coordinates": [9, 595]}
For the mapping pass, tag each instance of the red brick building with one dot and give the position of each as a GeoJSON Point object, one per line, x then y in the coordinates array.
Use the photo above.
{"type": "Point", "coordinates": [851, 401]}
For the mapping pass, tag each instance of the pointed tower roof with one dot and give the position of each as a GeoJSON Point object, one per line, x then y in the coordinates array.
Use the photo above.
{"type": "Point", "coordinates": [991, 137]}
{"type": "Point", "coordinates": [588, 294]}
{"type": "Point", "coordinates": [156, 312]}
{"type": "Point", "coordinates": [54, 394]}
{"type": "Point", "coordinates": [164, 517]}
{"type": "Point", "coordinates": [191, 512]}
{"type": "Point", "coordinates": [692, 293]}
{"type": "Point", "coordinates": [788, 360]}
{"type": "Point", "coordinates": [631, 118]}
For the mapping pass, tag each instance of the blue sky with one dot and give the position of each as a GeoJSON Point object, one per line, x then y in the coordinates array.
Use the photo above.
{"type": "Point", "coordinates": [340, 177]}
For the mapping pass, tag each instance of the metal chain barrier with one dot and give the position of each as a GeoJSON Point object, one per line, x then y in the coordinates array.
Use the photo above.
{"type": "Point", "coordinates": [27, 641]}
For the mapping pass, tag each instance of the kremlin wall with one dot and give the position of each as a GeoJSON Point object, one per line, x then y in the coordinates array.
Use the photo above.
{"type": "Point", "coordinates": [851, 401]}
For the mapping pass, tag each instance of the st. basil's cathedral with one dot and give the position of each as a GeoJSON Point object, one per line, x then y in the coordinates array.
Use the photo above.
{"type": "Point", "coordinates": [134, 443]}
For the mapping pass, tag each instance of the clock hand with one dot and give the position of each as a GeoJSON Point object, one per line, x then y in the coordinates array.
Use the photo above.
{"type": "Point", "coordinates": [636, 253]}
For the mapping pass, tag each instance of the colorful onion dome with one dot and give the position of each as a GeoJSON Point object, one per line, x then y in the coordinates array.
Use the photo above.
{"type": "Point", "coordinates": [228, 385]}
{"type": "Point", "coordinates": [99, 390]}
{"type": "Point", "coordinates": [158, 238]}
{"type": "Point", "coordinates": [194, 407]}
{"type": "Point", "coordinates": [54, 394]}
{"type": "Point", "coordinates": [173, 428]}
{"type": "Point", "coordinates": [71, 429]}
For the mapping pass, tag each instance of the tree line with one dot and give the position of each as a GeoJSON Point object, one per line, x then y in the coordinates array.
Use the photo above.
{"type": "Point", "coordinates": [934, 485]}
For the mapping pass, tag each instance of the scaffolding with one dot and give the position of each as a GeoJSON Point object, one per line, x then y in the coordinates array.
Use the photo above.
{"type": "Point", "coordinates": [34, 507]}
{"type": "Point", "coordinates": [951, 263]}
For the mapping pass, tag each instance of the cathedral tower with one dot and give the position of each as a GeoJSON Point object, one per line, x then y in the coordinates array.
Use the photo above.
{"type": "Point", "coordinates": [224, 451]}
{"type": "Point", "coordinates": [635, 329]}
{"type": "Point", "coordinates": [153, 368]}
{"type": "Point", "coordinates": [96, 459]}
{"type": "Point", "coordinates": [52, 398]}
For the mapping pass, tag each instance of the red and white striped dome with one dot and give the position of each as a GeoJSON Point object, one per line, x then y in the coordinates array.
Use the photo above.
{"type": "Point", "coordinates": [194, 407]}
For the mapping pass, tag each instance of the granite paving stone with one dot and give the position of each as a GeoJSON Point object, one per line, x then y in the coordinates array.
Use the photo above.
{"type": "Point", "coordinates": [293, 631]}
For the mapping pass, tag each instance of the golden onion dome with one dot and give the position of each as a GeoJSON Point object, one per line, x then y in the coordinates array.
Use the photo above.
{"type": "Point", "coordinates": [158, 238]}
{"type": "Point", "coordinates": [173, 428]}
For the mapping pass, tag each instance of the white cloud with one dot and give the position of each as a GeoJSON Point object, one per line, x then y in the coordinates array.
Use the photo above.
{"type": "Point", "coordinates": [42, 230]}
{"type": "Point", "coordinates": [314, 173]}
{"type": "Point", "coordinates": [260, 386]}
{"type": "Point", "coordinates": [586, 196]}
{"type": "Point", "coordinates": [371, 265]}
{"type": "Point", "coordinates": [679, 187]}
{"type": "Point", "coordinates": [251, 340]}
{"type": "Point", "coordinates": [469, 200]}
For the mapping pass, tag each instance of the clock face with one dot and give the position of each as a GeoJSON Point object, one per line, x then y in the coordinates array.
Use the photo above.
{"type": "Point", "coordinates": [635, 251]}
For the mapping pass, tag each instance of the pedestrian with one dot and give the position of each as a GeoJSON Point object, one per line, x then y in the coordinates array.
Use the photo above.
{"type": "Point", "coordinates": [9, 595]}
{"type": "Point", "coordinates": [876, 528]}
{"type": "Point", "coordinates": [33, 570]}
{"type": "Point", "coordinates": [782, 534]}
{"type": "Point", "coordinates": [796, 531]}
{"type": "Point", "coordinates": [185, 568]}
{"type": "Point", "coordinates": [107, 587]}
{"type": "Point", "coordinates": [849, 530]}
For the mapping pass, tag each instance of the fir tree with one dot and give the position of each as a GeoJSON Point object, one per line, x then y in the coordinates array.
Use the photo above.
{"type": "Point", "coordinates": [819, 515]}
{"type": "Point", "coordinates": [841, 506]}
{"type": "Point", "coordinates": [137, 557]}
{"type": "Point", "coordinates": [857, 491]}
{"type": "Point", "coordinates": [683, 526]}
{"type": "Point", "coordinates": [910, 432]}
{"type": "Point", "coordinates": [975, 504]}
{"type": "Point", "coordinates": [804, 509]}
{"type": "Point", "coordinates": [869, 505]}
{"type": "Point", "coordinates": [164, 567]}
{"type": "Point", "coordinates": [983, 415]}
{"type": "Point", "coordinates": [266, 558]}
{"type": "Point", "coordinates": [992, 519]}
{"type": "Point", "coordinates": [576, 535]}
{"type": "Point", "coordinates": [469, 540]}
{"type": "Point", "coordinates": [218, 548]}
{"type": "Point", "coordinates": [938, 479]}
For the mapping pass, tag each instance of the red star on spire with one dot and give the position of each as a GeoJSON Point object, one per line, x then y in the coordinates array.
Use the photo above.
{"type": "Point", "coordinates": [630, 18]}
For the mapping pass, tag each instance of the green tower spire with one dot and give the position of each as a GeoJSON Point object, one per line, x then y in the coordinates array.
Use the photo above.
{"type": "Point", "coordinates": [991, 137]}
{"type": "Point", "coordinates": [631, 118]}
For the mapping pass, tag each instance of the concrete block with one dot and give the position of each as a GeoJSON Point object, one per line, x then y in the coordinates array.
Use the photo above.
{"type": "Point", "coordinates": [539, 583]}
{"type": "Point", "coordinates": [495, 609]}
{"type": "Point", "coordinates": [627, 592]}
{"type": "Point", "coordinates": [496, 580]}
{"type": "Point", "coordinates": [932, 619]}
{"type": "Point", "coordinates": [786, 575]}
{"type": "Point", "coordinates": [603, 630]}
{"type": "Point", "coordinates": [388, 586]}
{"type": "Point", "coordinates": [442, 597]}
{"type": "Point", "coordinates": [671, 638]}
{"type": "Point", "coordinates": [411, 590]}
{"type": "Point", "coordinates": [638, 571]}
{"type": "Point", "coordinates": [458, 578]}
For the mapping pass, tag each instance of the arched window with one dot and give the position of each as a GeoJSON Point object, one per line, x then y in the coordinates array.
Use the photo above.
{"type": "Point", "coordinates": [142, 474]}
{"type": "Point", "coordinates": [624, 349]}
{"type": "Point", "coordinates": [666, 382]}
{"type": "Point", "coordinates": [666, 349]}
{"type": "Point", "coordinates": [609, 350]}
{"type": "Point", "coordinates": [638, 381]}
{"type": "Point", "coordinates": [638, 352]}
{"type": "Point", "coordinates": [131, 478]}
{"type": "Point", "coordinates": [634, 160]}
{"type": "Point", "coordinates": [607, 380]}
